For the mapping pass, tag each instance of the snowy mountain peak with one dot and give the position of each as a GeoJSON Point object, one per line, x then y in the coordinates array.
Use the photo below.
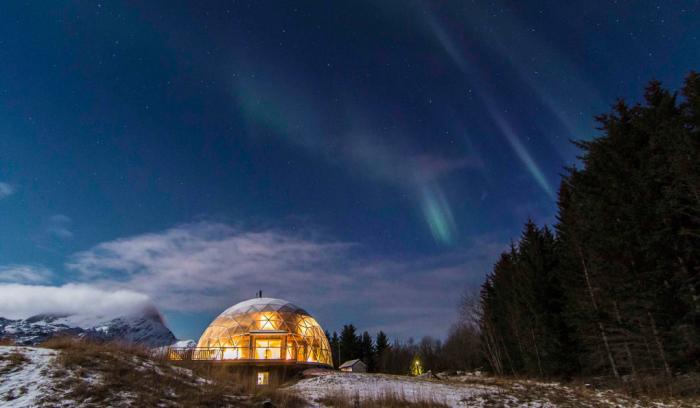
{"type": "Point", "coordinates": [147, 328]}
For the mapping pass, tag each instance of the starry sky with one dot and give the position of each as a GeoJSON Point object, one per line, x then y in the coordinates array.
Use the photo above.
{"type": "Point", "coordinates": [367, 160]}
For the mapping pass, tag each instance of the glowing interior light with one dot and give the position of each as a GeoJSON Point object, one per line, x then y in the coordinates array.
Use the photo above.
{"type": "Point", "coordinates": [266, 321]}
{"type": "Point", "coordinates": [287, 333]}
{"type": "Point", "coordinates": [268, 349]}
{"type": "Point", "coordinates": [263, 378]}
{"type": "Point", "coordinates": [231, 354]}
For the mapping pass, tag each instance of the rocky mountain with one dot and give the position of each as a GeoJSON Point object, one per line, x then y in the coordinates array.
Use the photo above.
{"type": "Point", "coordinates": [147, 328]}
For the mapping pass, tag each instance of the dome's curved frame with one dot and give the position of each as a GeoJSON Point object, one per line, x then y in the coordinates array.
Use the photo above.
{"type": "Point", "coordinates": [264, 331]}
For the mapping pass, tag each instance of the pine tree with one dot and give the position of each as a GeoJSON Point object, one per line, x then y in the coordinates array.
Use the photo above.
{"type": "Point", "coordinates": [349, 344]}
{"type": "Point", "coordinates": [367, 351]}
{"type": "Point", "coordinates": [382, 349]}
{"type": "Point", "coordinates": [334, 343]}
{"type": "Point", "coordinates": [617, 289]}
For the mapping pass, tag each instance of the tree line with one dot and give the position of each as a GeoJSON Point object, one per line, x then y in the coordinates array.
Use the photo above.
{"type": "Point", "coordinates": [459, 351]}
{"type": "Point", "coordinates": [613, 288]}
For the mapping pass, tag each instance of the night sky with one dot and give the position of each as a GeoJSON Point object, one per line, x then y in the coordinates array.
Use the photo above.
{"type": "Point", "coordinates": [365, 160]}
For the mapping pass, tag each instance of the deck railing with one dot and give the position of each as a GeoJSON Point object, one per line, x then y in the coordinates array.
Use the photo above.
{"type": "Point", "coordinates": [240, 354]}
{"type": "Point", "coordinates": [207, 353]}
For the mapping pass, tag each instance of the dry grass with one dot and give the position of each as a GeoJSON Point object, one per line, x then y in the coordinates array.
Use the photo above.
{"type": "Point", "coordinates": [131, 375]}
{"type": "Point", "coordinates": [680, 386]}
{"type": "Point", "coordinates": [12, 361]}
{"type": "Point", "coordinates": [279, 399]}
{"type": "Point", "coordinates": [6, 341]}
{"type": "Point", "coordinates": [111, 374]}
{"type": "Point", "coordinates": [574, 394]}
{"type": "Point", "coordinates": [385, 399]}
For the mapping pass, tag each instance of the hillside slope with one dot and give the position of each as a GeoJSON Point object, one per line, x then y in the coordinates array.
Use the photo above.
{"type": "Point", "coordinates": [89, 375]}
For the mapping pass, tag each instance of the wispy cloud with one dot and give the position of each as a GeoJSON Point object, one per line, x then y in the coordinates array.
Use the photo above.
{"type": "Point", "coordinates": [54, 233]}
{"type": "Point", "coordinates": [58, 226]}
{"type": "Point", "coordinates": [19, 301]}
{"type": "Point", "coordinates": [205, 267]}
{"type": "Point", "coordinates": [24, 274]}
{"type": "Point", "coordinates": [6, 190]}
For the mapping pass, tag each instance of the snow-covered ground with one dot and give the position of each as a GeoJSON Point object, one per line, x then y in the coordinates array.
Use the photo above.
{"type": "Point", "coordinates": [464, 391]}
{"type": "Point", "coordinates": [372, 386]}
{"type": "Point", "coordinates": [41, 377]}
{"type": "Point", "coordinates": [32, 376]}
{"type": "Point", "coordinates": [23, 381]}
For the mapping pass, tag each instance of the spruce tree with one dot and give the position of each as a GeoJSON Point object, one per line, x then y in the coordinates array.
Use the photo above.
{"type": "Point", "coordinates": [349, 344]}
{"type": "Point", "coordinates": [367, 351]}
{"type": "Point", "coordinates": [381, 352]}
{"type": "Point", "coordinates": [334, 343]}
{"type": "Point", "coordinates": [617, 290]}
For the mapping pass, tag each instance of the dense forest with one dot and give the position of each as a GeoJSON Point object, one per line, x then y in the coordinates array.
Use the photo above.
{"type": "Point", "coordinates": [614, 289]}
{"type": "Point", "coordinates": [611, 290]}
{"type": "Point", "coordinates": [461, 351]}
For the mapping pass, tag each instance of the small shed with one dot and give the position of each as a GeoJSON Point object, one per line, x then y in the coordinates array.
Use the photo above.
{"type": "Point", "coordinates": [354, 366]}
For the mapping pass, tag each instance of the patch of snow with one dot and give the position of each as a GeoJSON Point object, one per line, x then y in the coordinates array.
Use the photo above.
{"type": "Point", "coordinates": [23, 385]}
{"type": "Point", "coordinates": [465, 390]}
{"type": "Point", "coordinates": [366, 386]}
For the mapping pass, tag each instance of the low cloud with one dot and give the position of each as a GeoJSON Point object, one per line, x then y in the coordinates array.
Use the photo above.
{"type": "Point", "coordinates": [206, 267]}
{"type": "Point", "coordinates": [19, 301]}
{"type": "Point", "coordinates": [6, 190]}
{"type": "Point", "coordinates": [24, 274]}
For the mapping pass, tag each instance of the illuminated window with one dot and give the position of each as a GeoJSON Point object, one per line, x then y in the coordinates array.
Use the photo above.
{"type": "Point", "coordinates": [267, 349]}
{"type": "Point", "coordinates": [312, 355]}
{"type": "Point", "coordinates": [231, 353]}
{"type": "Point", "coordinates": [267, 321]}
{"type": "Point", "coordinates": [263, 378]}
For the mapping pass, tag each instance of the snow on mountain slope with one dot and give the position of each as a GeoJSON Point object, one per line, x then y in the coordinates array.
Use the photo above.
{"type": "Point", "coordinates": [146, 327]}
{"type": "Point", "coordinates": [185, 344]}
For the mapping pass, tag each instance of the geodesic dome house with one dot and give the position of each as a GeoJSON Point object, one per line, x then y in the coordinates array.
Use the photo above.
{"type": "Point", "coordinates": [266, 330]}
{"type": "Point", "coordinates": [266, 337]}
